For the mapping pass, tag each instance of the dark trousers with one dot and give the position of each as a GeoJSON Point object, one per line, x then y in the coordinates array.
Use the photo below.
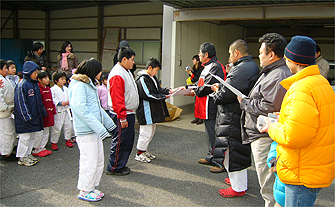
{"type": "Point", "coordinates": [122, 143]}
{"type": "Point", "coordinates": [210, 135]}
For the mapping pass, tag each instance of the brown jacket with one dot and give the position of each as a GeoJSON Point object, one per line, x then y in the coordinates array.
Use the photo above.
{"type": "Point", "coordinates": [72, 61]}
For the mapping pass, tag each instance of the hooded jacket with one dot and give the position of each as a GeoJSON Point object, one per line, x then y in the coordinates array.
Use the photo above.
{"type": "Point", "coordinates": [228, 128]}
{"type": "Point", "coordinates": [29, 110]}
{"type": "Point", "coordinates": [88, 115]}
{"type": "Point", "coordinates": [265, 97]}
{"type": "Point", "coordinates": [48, 104]}
{"type": "Point", "coordinates": [152, 108]}
{"type": "Point", "coordinates": [6, 98]}
{"type": "Point", "coordinates": [204, 107]}
{"type": "Point", "coordinates": [305, 130]}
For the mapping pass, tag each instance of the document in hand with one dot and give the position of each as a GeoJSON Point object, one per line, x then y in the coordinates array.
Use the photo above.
{"type": "Point", "coordinates": [230, 87]}
{"type": "Point", "coordinates": [182, 91]}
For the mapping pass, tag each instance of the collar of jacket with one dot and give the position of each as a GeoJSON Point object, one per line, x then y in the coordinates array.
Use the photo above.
{"type": "Point", "coordinates": [213, 59]}
{"type": "Point", "coordinates": [81, 77]}
{"type": "Point", "coordinates": [37, 56]}
{"type": "Point", "coordinates": [308, 71]}
{"type": "Point", "coordinates": [319, 58]}
{"type": "Point", "coordinates": [272, 66]}
{"type": "Point", "coordinates": [248, 57]}
{"type": "Point", "coordinates": [28, 78]}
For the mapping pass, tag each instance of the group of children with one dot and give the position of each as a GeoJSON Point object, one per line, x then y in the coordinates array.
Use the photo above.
{"type": "Point", "coordinates": [36, 112]}
{"type": "Point", "coordinates": [33, 110]}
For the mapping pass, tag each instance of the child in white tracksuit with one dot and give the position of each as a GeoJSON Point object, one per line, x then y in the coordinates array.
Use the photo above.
{"type": "Point", "coordinates": [7, 136]}
{"type": "Point", "coordinates": [60, 96]}
{"type": "Point", "coordinates": [91, 124]}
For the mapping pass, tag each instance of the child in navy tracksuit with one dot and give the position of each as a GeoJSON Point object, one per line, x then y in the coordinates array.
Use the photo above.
{"type": "Point", "coordinates": [29, 112]}
{"type": "Point", "coordinates": [152, 108]}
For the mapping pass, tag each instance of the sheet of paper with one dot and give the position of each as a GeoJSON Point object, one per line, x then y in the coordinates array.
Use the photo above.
{"type": "Point", "coordinates": [181, 92]}
{"type": "Point", "coordinates": [230, 87]}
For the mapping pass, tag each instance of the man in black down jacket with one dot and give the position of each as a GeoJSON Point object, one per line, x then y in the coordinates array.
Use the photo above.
{"type": "Point", "coordinates": [229, 150]}
{"type": "Point", "coordinates": [265, 97]}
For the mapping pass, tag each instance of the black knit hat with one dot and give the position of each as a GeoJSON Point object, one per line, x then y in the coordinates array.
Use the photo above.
{"type": "Point", "coordinates": [301, 50]}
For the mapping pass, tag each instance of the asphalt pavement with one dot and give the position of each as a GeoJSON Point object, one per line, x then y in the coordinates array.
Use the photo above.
{"type": "Point", "coordinates": [174, 178]}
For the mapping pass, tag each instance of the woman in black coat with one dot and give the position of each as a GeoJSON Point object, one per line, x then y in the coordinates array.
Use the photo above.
{"type": "Point", "coordinates": [195, 74]}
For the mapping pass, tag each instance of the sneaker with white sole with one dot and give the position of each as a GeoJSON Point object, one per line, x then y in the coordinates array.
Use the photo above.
{"type": "Point", "coordinates": [98, 192]}
{"type": "Point", "coordinates": [32, 158]}
{"type": "Point", "coordinates": [89, 196]}
{"type": "Point", "coordinates": [25, 161]}
{"type": "Point", "coordinates": [149, 155]}
{"type": "Point", "coordinates": [142, 158]}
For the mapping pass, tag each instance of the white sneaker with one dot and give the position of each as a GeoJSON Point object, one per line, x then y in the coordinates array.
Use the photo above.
{"type": "Point", "coordinates": [32, 158]}
{"type": "Point", "coordinates": [149, 155]}
{"type": "Point", "coordinates": [98, 192]}
{"type": "Point", "coordinates": [142, 158]}
{"type": "Point", "coordinates": [25, 161]}
{"type": "Point", "coordinates": [89, 196]}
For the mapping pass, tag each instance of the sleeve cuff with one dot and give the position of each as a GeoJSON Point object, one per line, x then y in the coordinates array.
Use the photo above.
{"type": "Point", "coordinates": [110, 129]}
{"type": "Point", "coordinates": [104, 135]}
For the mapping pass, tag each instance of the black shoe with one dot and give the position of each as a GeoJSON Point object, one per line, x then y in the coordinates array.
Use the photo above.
{"type": "Point", "coordinates": [195, 121]}
{"type": "Point", "coordinates": [200, 121]}
{"type": "Point", "coordinates": [11, 158]}
{"type": "Point", "coordinates": [120, 172]}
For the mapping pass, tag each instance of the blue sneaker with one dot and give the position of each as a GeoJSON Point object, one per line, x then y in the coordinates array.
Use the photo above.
{"type": "Point", "coordinates": [89, 196]}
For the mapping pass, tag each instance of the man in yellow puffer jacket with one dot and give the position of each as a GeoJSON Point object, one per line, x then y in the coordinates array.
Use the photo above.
{"type": "Point", "coordinates": [305, 131]}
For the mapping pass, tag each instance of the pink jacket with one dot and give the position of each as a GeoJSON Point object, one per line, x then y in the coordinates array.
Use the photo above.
{"type": "Point", "coordinates": [103, 94]}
